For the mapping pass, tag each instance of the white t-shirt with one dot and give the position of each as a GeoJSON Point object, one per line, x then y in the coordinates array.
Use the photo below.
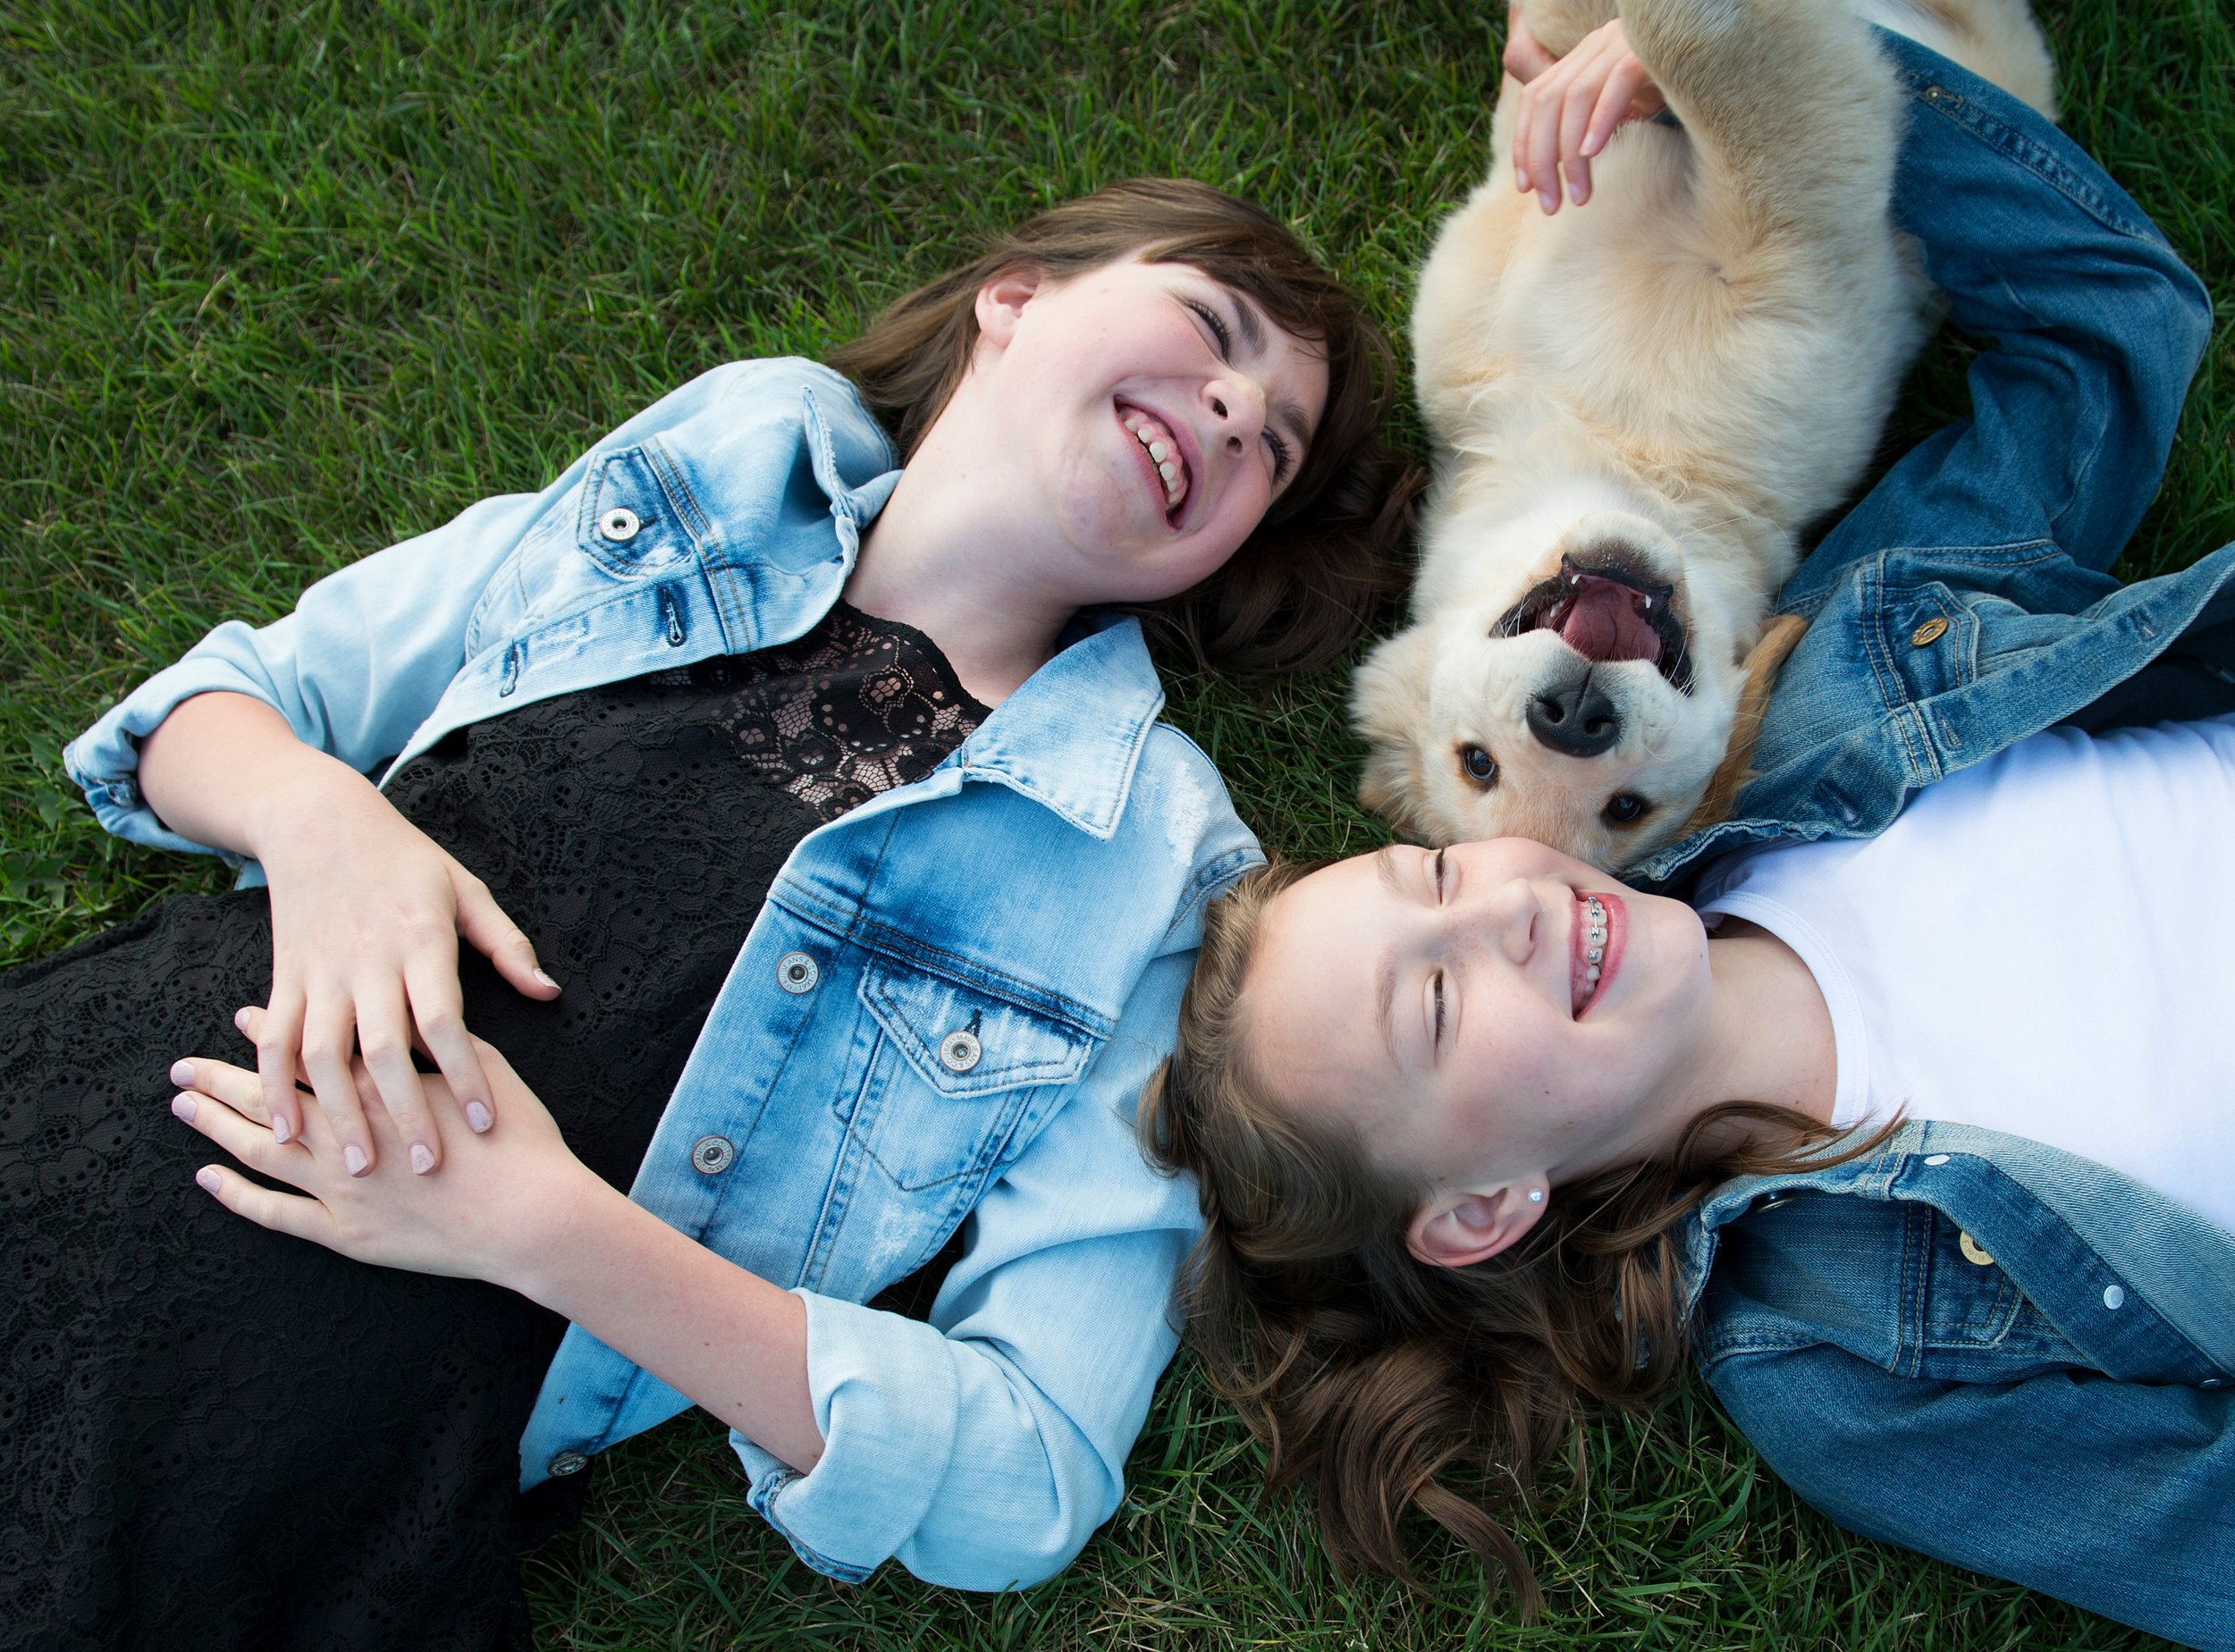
{"type": "Point", "coordinates": [2042, 944]}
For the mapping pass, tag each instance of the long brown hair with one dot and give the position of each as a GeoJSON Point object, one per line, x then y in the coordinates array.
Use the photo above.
{"type": "Point", "coordinates": [1305, 583]}
{"type": "Point", "coordinates": [1372, 1377]}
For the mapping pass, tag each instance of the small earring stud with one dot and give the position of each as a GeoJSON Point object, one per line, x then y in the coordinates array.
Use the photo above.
{"type": "Point", "coordinates": [1536, 1195]}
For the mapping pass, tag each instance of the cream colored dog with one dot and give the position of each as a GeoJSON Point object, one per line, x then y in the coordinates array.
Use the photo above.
{"type": "Point", "coordinates": [1636, 406]}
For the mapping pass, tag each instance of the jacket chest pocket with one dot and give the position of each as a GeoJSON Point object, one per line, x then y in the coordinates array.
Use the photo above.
{"type": "Point", "coordinates": [629, 523]}
{"type": "Point", "coordinates": [962, 1077]}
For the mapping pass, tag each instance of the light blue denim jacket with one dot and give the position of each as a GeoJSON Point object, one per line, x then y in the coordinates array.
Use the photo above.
{"type": "Point", "coordinates": [945, 1009]}
{"type": "Point", "coordinates": [2060, 1414]}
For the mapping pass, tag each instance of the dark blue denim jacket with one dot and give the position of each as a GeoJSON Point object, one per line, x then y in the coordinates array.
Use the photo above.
{"type": "Point", "coordinates": [2060, 1412]}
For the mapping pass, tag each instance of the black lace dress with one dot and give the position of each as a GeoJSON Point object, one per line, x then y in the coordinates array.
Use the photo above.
{"type": "Point", "coordinates": [212, 1436]}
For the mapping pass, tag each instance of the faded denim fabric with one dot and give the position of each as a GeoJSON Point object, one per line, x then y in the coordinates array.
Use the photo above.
{"type": "Point", "coordinates": [1963, 603]}
{"type": "Point", "coordinates": [1041, 891]}
{"type": "Point", "coordinates": [2061, 1412]}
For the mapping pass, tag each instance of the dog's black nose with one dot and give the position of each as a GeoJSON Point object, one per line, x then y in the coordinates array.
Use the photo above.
{"type": "Point", "coordinates": [1575, 719]}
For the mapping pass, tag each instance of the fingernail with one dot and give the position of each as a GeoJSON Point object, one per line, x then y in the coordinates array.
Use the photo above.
{"type": "Point", "coordinates": [1550, 199]}
{"type": "Point", "coordinates": [1520, 180]}
{"type": "Point", "coordinates": [182, 1072]}
{"type": "Point", "coordinates": [353, 1159]}
{"type": "Point", "coordinates": [1593, 142]}
{"type": "Point", "coordinates": [206, 1179]}
{"type": "Point", "coordinates": [182, 1107]}
{"type": "Point", "coordinates": [240, 1018]}
{"type": "Point", "coordinates": [546, 979]}
{"type": "Point", "coordinates": [1576, 192]}
{"type": "Point", "coordinates": [477, 1116]}
{"type": "Point", "coordinates": [421, 1159]}
{"type": "Point", "coordinates": [280, 1132]}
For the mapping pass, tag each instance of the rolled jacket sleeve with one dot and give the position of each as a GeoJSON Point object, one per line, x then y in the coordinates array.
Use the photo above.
{"type": "Point", "coordinates": [983, 1449]}
{"type": "Point", "coordinates": [358, 664]}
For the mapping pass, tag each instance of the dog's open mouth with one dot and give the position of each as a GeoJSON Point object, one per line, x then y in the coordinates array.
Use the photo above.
{"type": "Point", "coordinates": [1608, 607]}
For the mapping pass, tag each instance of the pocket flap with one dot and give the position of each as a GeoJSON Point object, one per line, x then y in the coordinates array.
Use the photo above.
{"type": "Point", "coordinates": [965, 1041]}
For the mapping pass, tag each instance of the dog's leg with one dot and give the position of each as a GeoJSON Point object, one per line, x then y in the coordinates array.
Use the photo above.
{"type": "Point", "coordinates": [1794, 121]}
{"type": "Point", "coordinates": [1559, 24]}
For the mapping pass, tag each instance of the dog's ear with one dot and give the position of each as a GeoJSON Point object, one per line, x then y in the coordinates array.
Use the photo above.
{"type": "Point", "coordinates": [1388, 707]}
{"type": "Point", "coordinates": [1760, 677]}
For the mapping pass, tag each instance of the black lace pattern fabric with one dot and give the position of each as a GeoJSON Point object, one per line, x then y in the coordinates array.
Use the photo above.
{"type": "Point", "coordinates": [213, 1436]}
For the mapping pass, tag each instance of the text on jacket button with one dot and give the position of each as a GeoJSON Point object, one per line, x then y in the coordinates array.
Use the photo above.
{"type": "Point", "coordinates": [568, 1462]}
{"type": "Point", "coordinates": [711, 1155]}
{"type": "Point", "coordinates": [2114, 1296]}
{"type": "Point", "coordinates": [1973, 1251]}
{"type": "Point", "coordinates": [960, 1050]}
{"type": "Point", "coordinates": [796, 972]}
{"type": "Point", "coordinates": [1930, 632]}
{"type": "Point", "coordinates": [618, 525]}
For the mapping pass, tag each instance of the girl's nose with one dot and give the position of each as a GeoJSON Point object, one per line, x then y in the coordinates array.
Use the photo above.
{"type": "Point", "coordinates": [1239, 407]}
{"type": "Point", "coordinates": [1507, 916]}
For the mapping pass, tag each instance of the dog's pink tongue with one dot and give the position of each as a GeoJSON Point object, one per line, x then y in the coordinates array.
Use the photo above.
{"type": "Point", "coordinates": [1601, 622]}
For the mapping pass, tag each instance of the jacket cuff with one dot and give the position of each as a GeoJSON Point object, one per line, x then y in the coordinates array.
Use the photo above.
{"type": "Point", "coordinates": [103, 762]}
{"type": "Point", "coordinates": [886, 1400]}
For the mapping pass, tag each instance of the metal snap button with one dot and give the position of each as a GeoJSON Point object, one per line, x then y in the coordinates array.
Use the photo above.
{"type": "Point", "coordinates": [123, 794]}
{"type": "Point", "coordinates": [1928, 633]}
{"type": "Point", "coordinates": [2114, 1297]}
{"type": "Point", "coordinates": [1775, 1201]}
{"type": "Point", "coordinates": [1935, 1159]}
{"type": "Point", "coordinates": [619, 524]}
{"type": "Point", "coordinates": [2212, 1382]}
{"type": "Point", "coordinates": [796, 972]}
{"type": "Point", "coordinates": [960, 1050]}
{"type": "Point", "coordinates": [711, 1155]}
{"type": "Point", "coordinates": [567, 1462]}
{"type": "Point", "coordinates": [1973, 1252]}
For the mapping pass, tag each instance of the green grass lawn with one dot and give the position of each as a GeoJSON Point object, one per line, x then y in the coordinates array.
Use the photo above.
{"type": "Point", "coordinates": [281, 284]}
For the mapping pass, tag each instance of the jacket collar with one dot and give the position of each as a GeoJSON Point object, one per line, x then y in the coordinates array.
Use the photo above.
{"type": "Point", "coordinates": [1072, 735]}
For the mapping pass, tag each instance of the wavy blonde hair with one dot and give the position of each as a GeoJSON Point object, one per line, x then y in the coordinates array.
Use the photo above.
{"type": "Point", "coordinates": [1369, 1377]}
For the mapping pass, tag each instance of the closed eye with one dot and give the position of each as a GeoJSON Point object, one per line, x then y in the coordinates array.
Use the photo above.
{"type": "Point", "coordinates": [1219, 330]}
{"type": "Point", "coordinates": [1281, 455]}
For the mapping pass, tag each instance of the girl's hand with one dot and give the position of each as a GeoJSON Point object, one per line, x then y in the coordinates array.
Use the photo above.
{"type": "Point", "coordinates": [1570, 106]}
{"type": "Point", "coordinates": [488, 1215]}
{"type": "Point", "coordinates": [367, 911]}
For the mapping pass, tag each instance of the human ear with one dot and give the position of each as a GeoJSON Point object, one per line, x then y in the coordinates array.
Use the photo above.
{"type": "Point", "coordinates": [1001, 303]}
{"type": "Point", "coordinates": [1458, 1229]}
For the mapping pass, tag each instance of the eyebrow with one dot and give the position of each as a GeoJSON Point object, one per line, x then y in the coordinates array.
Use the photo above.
{"type": "Point", "coordinates": [1289, 412]}
{"type": "Point", "coordinates": [1385, 973]}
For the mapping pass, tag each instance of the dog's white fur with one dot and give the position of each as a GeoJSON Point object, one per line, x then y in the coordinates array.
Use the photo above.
{"type": "Point", "coordinates": [1689, 368]}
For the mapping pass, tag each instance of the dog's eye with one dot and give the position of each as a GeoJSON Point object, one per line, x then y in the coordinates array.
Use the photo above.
{"type": "Point", "coordinates": [1477, 765]}
{"type": "Point", "coordinates": [1627, 809]}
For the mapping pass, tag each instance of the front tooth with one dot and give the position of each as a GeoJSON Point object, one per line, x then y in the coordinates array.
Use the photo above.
{"type": "Point", "coordinates": [1591, 975]}
{"type": "Point", "coordinates": [1168, 469]}
{"type": "Point", "coordinates": [1159, 452]}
